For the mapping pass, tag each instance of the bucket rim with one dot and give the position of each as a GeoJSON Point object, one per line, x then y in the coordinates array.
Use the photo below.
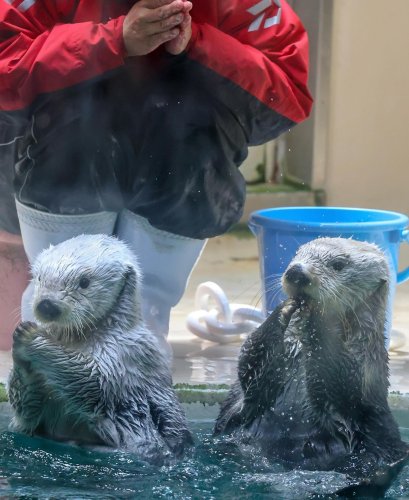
{"type": "Point", "coordinates": [396, 221]}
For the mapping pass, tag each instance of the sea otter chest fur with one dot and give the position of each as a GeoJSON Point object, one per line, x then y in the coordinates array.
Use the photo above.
{"type": "Point", "coordinates": [312, 423]}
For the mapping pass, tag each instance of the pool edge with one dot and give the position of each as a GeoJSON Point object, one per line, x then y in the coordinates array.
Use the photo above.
{"type": "Point", "coordinates": [213, 394]}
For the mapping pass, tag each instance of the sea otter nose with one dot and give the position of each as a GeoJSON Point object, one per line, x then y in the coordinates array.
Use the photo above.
{"type": "Point", "coordinates": [48, 310]}
{"type": "Point", "coordinates": [297, 275]}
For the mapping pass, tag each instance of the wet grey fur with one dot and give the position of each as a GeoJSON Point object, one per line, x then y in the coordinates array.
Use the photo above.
{"type": "Point", "coordinates": [93, 375]}
{"type": "Point", "coordinates": [313, 378]}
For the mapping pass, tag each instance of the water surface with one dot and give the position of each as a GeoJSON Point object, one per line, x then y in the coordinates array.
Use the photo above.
{"type": "Point", "coordinates": [214, 469]}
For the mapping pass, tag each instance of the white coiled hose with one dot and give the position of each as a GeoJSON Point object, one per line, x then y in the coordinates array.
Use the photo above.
{"type": "Point", "coordinates": [219, 321]}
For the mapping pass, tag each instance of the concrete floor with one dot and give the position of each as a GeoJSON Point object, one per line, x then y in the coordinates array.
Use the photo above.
{"type": "Point", "coordinates": [232, 263]}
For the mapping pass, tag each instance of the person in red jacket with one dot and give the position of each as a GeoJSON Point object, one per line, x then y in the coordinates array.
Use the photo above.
{"type": "Point", "coordinates": [132, 118]}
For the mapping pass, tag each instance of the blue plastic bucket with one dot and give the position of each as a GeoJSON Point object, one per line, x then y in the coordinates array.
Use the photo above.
{"type": "Point", "coordinates": [280, 231]}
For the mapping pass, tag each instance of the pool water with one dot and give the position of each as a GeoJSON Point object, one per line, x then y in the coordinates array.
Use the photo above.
{"type": "Point", "coordinates": [214, 469]}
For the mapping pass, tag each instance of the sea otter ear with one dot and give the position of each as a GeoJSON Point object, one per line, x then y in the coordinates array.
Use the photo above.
{"type": "Point", "coordinates": [132, 279]}
{"type": "Point", "coordinates": [129, 298]}
{"type": "Point", "coordinates": [383, 281]}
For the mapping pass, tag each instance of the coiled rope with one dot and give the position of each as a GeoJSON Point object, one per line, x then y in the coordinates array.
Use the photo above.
{"type": "Point", "coordinates": [219, 321]}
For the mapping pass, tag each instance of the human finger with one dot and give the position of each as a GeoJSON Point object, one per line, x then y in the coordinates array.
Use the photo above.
{"type": "Point", "coordinates": [165, 24]}
{"type": "Point", "coordinates": [187, 7]}
{"type": "Point", "coordinates": [179, 44]}
{"type": "Point", "coordinates": [137, 32]}
{"type": "Point", "coordinates": [163, 12]}
{"type": "Point", "coordinates": [186, 21]}
{"type": "Point", "coordinates": [160, 38]}
{"type": "Point", "coordinates": [154, 4]}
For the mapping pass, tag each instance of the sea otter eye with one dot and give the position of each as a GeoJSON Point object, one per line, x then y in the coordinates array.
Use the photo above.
{"type": "Point", "coordinates": [338, 264]}
{"type": "Point", "coordinates": [84, 282]}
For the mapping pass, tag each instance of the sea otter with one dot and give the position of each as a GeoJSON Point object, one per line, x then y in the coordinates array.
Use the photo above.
{"type": "Point", "coordinates": [313, 378]}
{"type": "Point", "coordinates": [89, 371]}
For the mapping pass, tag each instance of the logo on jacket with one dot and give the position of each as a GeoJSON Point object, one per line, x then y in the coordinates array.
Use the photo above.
{"type": "Point", "coordinates": [262, 21]}
{"type": "Point", "coordinates": [22, 5]}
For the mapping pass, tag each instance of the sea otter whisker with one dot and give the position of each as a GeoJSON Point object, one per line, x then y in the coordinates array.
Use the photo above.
{"type": "Point", "coordinates": [341, 299]}
{"type": "Point", "coordinates": [257, 296]}
{"type": "Point", "coordinates": [72, 333]}
{"type": "Point", "coordinates": [340, 302]}
{"type": "Point", "coordinates": [257, 299]}
{"type": "Point", "coordinates": [273, 277]}
{"type": "Point", "coordinates": [349, 304]}
{"type": "Point", "coordinates": [90, 324]}
{"type": "Point", "coordinates": [79, 320]}
{"type": "Point", "coordinates": [84, 324]}
{"type": "Point", "coordinates": [272, 281]}
{"type": "Point", "coordinates": [275, 295]}
{"type": "Point", "coordinates": [275, 287]}
{"type": "Point", "coordinates": [90, 319]}
{"type": "Point", "coordinates": [328, 290]}
{"type": "Point", "coordinates": [16, 314]}
{"type": "Point", "coordinates": [64, 334]}
{"type": "Point", "coordinates": [78, 327]}
{"type": "Point", "coordinates": [74, 329]}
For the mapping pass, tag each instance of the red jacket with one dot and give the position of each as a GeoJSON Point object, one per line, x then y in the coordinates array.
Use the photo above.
{"type": "Point", "coordinates": [51, 45]}
{"type": "Point", "coordinates": [246, 66]}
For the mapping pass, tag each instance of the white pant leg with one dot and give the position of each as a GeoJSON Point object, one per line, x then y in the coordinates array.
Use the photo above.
{"type": "Point", "coordinates": [166, 261]}
{"type": "Point", "coordinates": [39, 230]}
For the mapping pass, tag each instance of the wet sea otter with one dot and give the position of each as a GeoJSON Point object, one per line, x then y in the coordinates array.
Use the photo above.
{"type": "Point", "coordinates": [89, 371]}
{"type": "Point", "coordinates": [313, 378]}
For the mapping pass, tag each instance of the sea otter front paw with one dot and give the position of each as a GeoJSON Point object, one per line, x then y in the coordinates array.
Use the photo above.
{"type": "Point", "coordinates": [23, 336]}
{"type": "Point", "coordinates": [287, 310]}
{"type": "Point", "coordinates": [177, 445]}
{"type": "Point", "coordinates": [25, 333]}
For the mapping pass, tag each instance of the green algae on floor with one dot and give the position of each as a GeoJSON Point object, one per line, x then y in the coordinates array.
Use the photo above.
{"type": "Point", "coordinates": [3, 394]}
{"type": "Point", "coordinates": [208, 394]}
{"type": "Point", "coordinates": [211, 394]}
{"type": "Point", "coordinates": [205, 393]}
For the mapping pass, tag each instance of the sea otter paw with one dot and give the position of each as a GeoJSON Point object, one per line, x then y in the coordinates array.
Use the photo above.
{"type": "Point", "coordinates": [25, 333]}
{"type": "Point", "coordinates": [178, 445]}
{"type": "Point", "coordinates": [288, 309]}
{"type": "Point", "coordinates": [23, 337]}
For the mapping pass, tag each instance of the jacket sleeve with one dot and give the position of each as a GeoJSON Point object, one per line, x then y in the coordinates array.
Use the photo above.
{"type": "Point", "coordinates": [40, 52]}
{"type": "Point", "coordinates": [258, 60]}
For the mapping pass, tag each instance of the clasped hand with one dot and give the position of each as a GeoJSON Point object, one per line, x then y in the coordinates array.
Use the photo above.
{"type": "Point", "coordinates": [151, 23]}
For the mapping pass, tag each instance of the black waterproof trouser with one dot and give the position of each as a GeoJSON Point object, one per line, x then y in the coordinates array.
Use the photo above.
{"type": "Point", "coordinates": [161, 147]}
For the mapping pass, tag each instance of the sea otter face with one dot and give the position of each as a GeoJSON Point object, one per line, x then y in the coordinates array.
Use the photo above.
{"type": "Point", "coordinates": [336, 273]}
{"type": "Point", "coordinates": [81, 282]}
